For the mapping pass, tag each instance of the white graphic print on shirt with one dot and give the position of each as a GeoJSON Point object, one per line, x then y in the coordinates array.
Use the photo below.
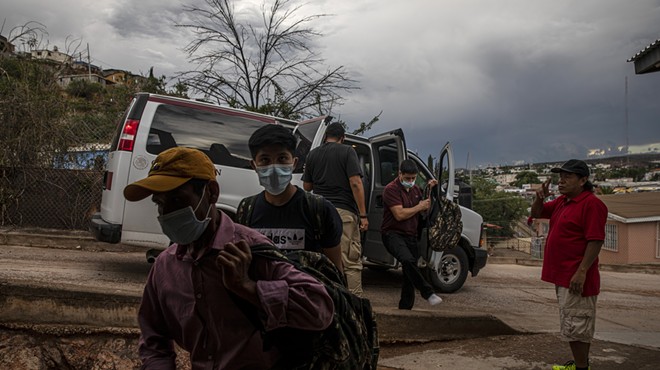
{"type": "Point", "coordinates": [288, 239]}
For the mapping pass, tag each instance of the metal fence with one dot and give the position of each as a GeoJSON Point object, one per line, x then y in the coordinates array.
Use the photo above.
{"type": "Point", "coordinates": [56, 198]}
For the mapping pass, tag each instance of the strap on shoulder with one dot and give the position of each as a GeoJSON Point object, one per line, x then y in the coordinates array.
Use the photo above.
{"type": "Point", "coordinates": [314, 204]}
{"type": "Point", "coordinates": [244, 210]}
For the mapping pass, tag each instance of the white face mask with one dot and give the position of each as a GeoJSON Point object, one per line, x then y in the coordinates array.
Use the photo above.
{"type": "Point", "coordinates": [407, 184]}
{"type": "Point", "coordinates": [182, 226]}
{"type": "Point", "coordinates": [275, 177]}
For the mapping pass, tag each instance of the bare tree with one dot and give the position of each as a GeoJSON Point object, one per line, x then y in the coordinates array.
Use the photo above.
{"type": "Point", "coordinates": [27, 37]}
{"type": "Point", "coordinates": [264, 64]}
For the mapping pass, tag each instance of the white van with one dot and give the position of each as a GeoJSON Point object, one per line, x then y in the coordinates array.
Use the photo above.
{"type": "Point", "coordinates": [153, 123]}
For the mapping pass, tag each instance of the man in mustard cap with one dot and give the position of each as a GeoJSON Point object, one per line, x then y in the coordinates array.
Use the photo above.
{"type": "Point", "coordinates": [570, 260]}
{"type": "Point", "coordinates": [190, 294]}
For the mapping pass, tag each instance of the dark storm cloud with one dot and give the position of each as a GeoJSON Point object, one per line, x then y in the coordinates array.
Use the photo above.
{"type": "Point", "coordinates": [506, 81]}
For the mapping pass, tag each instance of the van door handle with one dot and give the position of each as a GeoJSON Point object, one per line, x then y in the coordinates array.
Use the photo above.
{"type": "Point", "coordinates": [379, 201]}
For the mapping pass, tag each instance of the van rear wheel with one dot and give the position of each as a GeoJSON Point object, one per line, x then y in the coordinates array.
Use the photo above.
{"type": "Point", "coordinates": [451, 272]}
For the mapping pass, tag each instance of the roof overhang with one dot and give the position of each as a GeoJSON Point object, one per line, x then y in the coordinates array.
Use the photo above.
{"type": "Point", "coordinates": [633, 220]}
{"type": "Point", "coordinates": [648, 59]}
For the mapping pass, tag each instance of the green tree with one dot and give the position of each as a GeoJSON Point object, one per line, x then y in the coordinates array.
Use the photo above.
{"type": "Point", "coordinates": [636, 173]}
{"type": "Point", "coordinates": [264, 63]}
{"type": "Point", "coordinates": [498, 208]}
{"type": "Point", "coordinates": [526, 177]}
{"type": "Point", "coordinates": [364, 127]}
{"type": "Point", "coordinates": [83, 88]}
{"type": "Point", "coordinates": [32, 113]}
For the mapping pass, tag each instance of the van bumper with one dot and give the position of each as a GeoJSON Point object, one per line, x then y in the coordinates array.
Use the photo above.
{"type": "Point", "coordinates": [103, 231]}
{"type": "Point", "coordinates": [480, 259]}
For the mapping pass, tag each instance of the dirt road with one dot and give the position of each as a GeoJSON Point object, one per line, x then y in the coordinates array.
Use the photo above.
{"type": "Point", "coordinates": [628, 329]}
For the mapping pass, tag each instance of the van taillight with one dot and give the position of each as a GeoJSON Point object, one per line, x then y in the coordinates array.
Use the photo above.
{"type": "Point", "coordinates": [127, 139]}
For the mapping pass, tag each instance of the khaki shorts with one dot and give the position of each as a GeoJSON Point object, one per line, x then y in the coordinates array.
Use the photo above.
{"type": "Point", "coordinates": [577, 315]}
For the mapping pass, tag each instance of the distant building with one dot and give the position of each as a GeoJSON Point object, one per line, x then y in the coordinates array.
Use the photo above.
{"type": "Point", "coordinates": [647, 60]}
{"type": "Point", "coordinates": [52, 55]}
{"type": "Point", "coordinates": [82, 66]}
{"type": "Point", "coordinates": [65, 80]}
{"type": "Point", "coordinates": [123, 77]}
{"type": "Point", "coordinates": [505, 179]}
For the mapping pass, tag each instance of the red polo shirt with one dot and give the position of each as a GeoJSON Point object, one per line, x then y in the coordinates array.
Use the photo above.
{"type": "Point", "coordinates": [395, 194]}
{"type": "Point", "coordinates": [573, 223]}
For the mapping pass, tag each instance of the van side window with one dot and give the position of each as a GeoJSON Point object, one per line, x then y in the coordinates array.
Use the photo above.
{"type": "Point", "coordinates": [223, 137]}
{"type": "Point", "coordinates": [389, 162]}
{"type": "Point", "coordinates": [422, 176]}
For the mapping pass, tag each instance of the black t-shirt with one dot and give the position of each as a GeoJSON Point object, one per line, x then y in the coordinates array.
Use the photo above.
{"type": "Point", "coordinates": [328, 167]}
{"type": "Point", "coordinates": [290, 227]}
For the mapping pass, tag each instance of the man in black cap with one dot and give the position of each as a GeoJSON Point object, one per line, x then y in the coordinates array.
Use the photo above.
{"type": "Point", "coordinates": [570, 261]}
{"type": "Point", "coordinates": [333, 171]}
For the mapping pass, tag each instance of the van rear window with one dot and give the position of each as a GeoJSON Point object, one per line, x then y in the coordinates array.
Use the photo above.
{"type": "Point", "coordinates": [222, 137]}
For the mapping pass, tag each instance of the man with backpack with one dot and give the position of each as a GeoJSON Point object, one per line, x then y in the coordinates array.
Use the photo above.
{"type": "Point", "coordinates": [192, 290]}
{"type": "Point", "coordinates": [403, 205]}
{"type": "Point", "coordinates": [292, 218]}
{"type": "Point", "coordinates": [333, 171]}
{"type": "Point", "coordinates": [285, 213]}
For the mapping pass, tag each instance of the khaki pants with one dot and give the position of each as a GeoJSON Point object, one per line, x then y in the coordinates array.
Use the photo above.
{"type": "Point", "coordinates": [351, 250]}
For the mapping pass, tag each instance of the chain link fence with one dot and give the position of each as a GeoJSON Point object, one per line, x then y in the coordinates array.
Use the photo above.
{"type": "Point", "coordinates": [53, 198]}
{"type": "Point", "coordinates": [62, 188]}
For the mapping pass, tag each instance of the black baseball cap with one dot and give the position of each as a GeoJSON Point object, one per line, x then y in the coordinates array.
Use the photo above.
{"type": "Point", "coordinates": [575, 166]}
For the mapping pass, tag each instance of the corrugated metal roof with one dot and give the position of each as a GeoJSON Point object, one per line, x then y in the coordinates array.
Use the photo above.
{"type": "Point", "coordinates": [633, 207]}
{"type": "Point", "coordinates": [654, 45]}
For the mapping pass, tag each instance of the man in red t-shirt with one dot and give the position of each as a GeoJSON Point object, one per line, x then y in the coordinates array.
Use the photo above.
{"type": "Point", "coordinates": [403, 203]}
{"type": "Point", "coordinates": [570, 261]}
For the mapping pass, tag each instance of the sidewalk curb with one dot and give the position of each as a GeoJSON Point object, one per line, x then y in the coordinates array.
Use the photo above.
{"type": "Point", "coordinates": [62, 239]}
{"type": "Point", "coordinates": [640, 268]}
{"type": "Point", "coordinates": [46, 307]}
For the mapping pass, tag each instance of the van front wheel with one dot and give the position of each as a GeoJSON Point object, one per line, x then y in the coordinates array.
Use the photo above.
{"type": "Point", "coordinates": [452, 270]}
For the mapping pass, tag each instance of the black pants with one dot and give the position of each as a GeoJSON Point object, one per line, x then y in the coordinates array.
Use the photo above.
{"type": "Point", "coordinates": [405, 249]}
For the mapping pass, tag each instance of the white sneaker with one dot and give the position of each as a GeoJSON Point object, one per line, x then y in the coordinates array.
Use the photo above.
{"type": "Point", "coordinates": [434, 299]}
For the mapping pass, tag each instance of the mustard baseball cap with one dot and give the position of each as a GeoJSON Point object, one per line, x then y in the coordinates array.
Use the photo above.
{"type": "Point", "coordinates": [171, 169]}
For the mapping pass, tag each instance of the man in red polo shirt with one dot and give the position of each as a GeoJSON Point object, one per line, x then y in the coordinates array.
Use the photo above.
{"type": "Point", "coordinates": [403, 204]}
{"type": "Point", "coordinates": [570, 261]}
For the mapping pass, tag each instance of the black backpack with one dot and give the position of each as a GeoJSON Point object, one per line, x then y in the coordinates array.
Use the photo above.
{"type": "Point", "coordinates": [351, 340]}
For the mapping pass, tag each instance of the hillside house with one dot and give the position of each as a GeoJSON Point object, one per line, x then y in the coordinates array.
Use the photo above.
{"type": "Point", "coordinates": [52, 55]}
{"type": "Point", "coordinates": [633, 228]}
{"type": "Point", "coordinates": [632, 233]}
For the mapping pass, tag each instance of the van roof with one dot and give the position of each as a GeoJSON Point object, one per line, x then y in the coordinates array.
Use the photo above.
{"type": "Point", "coordinates": [215, 107]}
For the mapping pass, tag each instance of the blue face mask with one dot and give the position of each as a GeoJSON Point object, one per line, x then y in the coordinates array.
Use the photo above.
{"type": "Point", "coordinates": [407, 184]}
{"type": "Point", "coordinates": [275, 177]}
{"type": "Point", "coordinates": [182, 226]}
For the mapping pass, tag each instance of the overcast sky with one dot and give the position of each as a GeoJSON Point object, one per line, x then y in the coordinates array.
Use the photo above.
{"type": "Point", "coordinates": [505, 81]}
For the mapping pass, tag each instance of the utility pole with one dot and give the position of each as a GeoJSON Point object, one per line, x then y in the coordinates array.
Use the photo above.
{"type": "Point", "coordinates": [467, 165]}
{"type": "Point", "coordinates": [626, 122]}
{"type": "Point", "coordinates": [89, 65]}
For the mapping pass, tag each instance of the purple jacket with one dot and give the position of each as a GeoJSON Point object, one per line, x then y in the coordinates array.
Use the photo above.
{"type": "Point", "coordinates": [184, 301]}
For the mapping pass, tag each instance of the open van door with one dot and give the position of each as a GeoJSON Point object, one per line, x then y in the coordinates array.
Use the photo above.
{"type": "Point", "coordinates": [309, 134]}
{"type": "Point", "coordinates": [446, 173]}
{"type": "Point", "coordinates": [449, 269]}
{"type": "Point", "coordinates": [388, 150]}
